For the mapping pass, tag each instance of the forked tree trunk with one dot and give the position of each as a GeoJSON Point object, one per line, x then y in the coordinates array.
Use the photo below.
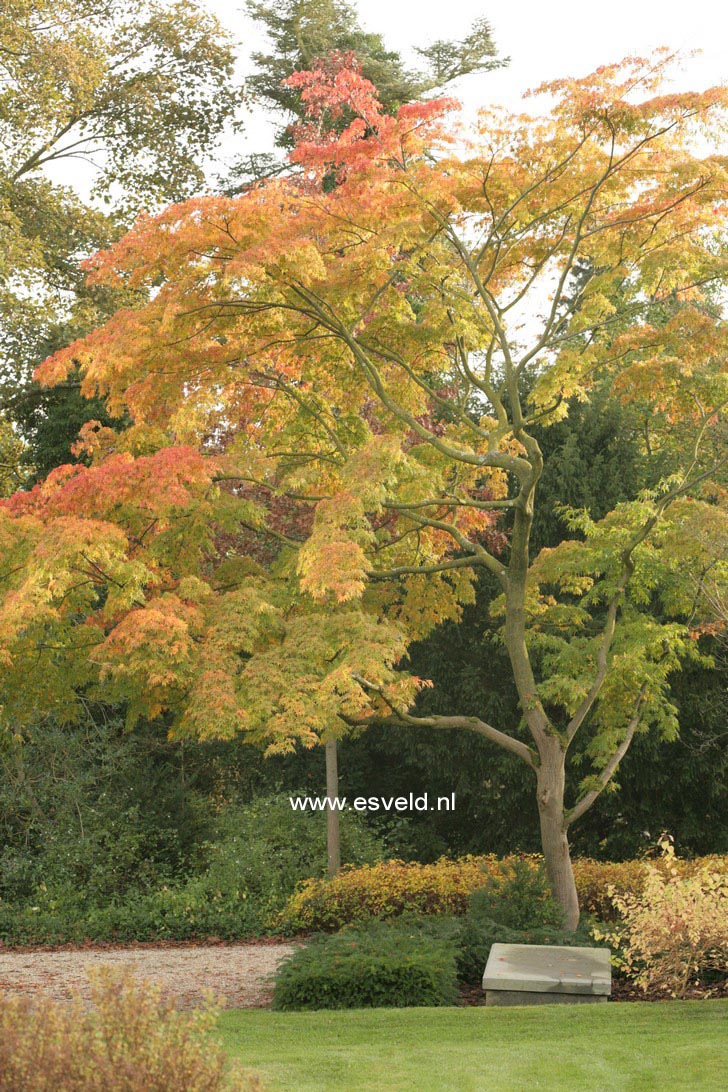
{"type": "Point", "coordinates": [550, 793]}
{"type": "Point", "coordinates": [551, 768]}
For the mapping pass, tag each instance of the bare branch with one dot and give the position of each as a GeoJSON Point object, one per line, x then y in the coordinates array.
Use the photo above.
{"type": "Point", "coordinates": [607, 773]}
{"type": "Point", "coordinates": [471, 724]}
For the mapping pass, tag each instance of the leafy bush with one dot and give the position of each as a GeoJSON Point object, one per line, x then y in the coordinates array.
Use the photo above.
{"type": "Point", "coordinates": [516, 894]}
{"type": "Point", "coordinates": [260, 851]}
{"type": "Point", "coordinates": [674, 932]}
{"type": "Point", "coordinates": [596, 879]}
{"type": "Point", "coordinates": [394, 887]}
{"type": "Point", "coordinates": [130, 1040]}
{"type": "Point", "coordinates": [409, 962]}
{"type": "Point", "coordinates": [91, 808]}
{"type": "Point", "coordinates": [244, 875]}
{"type": "Point", "coordinates": [383, 891]}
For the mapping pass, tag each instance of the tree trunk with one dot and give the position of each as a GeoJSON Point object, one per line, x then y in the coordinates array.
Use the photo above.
{"type": "Point", "coordinates": [554, 840]}
{"type": "Point", "coordinates": [333, 833]}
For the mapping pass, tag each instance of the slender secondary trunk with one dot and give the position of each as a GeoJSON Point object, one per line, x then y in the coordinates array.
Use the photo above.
{"type": "Point", "coordinates": [333, 832]}
{"type": "Point", "coordinates": [554, 840]}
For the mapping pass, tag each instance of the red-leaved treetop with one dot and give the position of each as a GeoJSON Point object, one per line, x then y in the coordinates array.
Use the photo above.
{"type": "Point", "coordinates": [332, 390]}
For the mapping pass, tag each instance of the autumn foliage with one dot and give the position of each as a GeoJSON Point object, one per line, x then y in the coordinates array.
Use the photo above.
{"type": "Point", "coordinates": [130, 1039]}
{"type": "Point", "coordinates": [391, 888]}
{"type": "Point", "coordinates": [331, 391]}
{"type": "Point", "coordinates": [672, 935]}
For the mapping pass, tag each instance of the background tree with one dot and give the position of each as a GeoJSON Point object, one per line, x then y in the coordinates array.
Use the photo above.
{"type": "Point", "coordinates": [12, 471]}
{"type": "Point", "coordinates": [350, 363]}
{"type": "Point", "coordinates": [143, 96]}
{"type": "Point", "coordinates": [301, 32]}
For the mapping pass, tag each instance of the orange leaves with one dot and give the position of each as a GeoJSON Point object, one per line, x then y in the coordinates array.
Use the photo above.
{"type": "Point", "coordinates": [335, 84]}
{"type": "Point", "coordinates": [677, 369]}
{"type": "Point", "coordinates": [337, 567]}
{"type": "Point", "coordinates": [155, 483]}
{"type": "Point", "coordinates": [622, 100]}
{"type": "Point", "coordinates": [350, 360]}
{"type": "Point", "coordinates": [148, 656]}
{"type": "Point", "coordinates": [334, 88]}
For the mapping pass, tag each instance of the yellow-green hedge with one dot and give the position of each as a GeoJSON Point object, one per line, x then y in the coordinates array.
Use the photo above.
{"type": "Point", "coordinates": [392, 887]}
{"type": "Point", "coordinates": [628, 877]}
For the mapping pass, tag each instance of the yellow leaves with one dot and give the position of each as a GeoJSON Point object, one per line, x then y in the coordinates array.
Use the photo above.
{"type": "Point", "coordinates": [337, 568]}
{"type": "Point", "coordinates": [76, 558]}
{"type": "Point", "coordinates": [193, 590]}
{"type": "Point", "coordinates": [334, 558]}
{"type": "Point", "coordinates": [212, 709]}
{"type": "Point", "coordinates": [353, 360]}
{"type": "Point", "coordinates": [675, 929]}
{"type": "Point", "coordinates": [569, 375]}
{"type": "Point", "coordinates": [421, 603]}
{"type": "Point", "coordinates": [372, 469]}
{"type": "Point", "coordinates": [241, 620]}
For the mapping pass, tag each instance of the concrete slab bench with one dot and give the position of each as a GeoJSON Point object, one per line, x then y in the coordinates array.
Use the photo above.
{"type": "Point", "coordinates": [541, 974]}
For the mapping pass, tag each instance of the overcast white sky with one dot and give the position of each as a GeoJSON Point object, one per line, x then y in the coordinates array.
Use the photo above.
{"type": "Point", "coordinates": [545, 39]}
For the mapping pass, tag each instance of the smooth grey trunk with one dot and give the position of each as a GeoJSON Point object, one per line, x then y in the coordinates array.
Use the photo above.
{"type": "Point", "coordinates": [551, 768]}
{"type": "Point", "coordinates": [333, 829]}
{"type": "Point", "coordinates": [551, 776]}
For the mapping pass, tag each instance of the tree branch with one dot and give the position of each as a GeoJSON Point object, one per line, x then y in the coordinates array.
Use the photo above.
{"type": "Point", "coordinates": [607, 773]}
{"type": "Point", "coordinates": [471, 724]}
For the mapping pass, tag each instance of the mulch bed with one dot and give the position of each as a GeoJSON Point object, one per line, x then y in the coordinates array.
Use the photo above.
{"type": "Point", "coordinates": [115, 945]}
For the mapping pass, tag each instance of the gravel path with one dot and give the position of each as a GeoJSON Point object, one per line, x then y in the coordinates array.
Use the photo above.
{"type": "Point", "coordinates": [239, 973]}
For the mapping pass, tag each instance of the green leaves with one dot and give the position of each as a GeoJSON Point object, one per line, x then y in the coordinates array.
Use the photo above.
{"type": "Point", "coordinates": [142, 96]}
{"type": "Point", "coordinates": [330, 431]}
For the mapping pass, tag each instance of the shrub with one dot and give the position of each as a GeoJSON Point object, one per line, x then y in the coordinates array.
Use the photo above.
{"type": "Point", "coordinates": [516, 894]}
{"type": "Point", "coordinates": [675, 929]}
{"type": "Point", "coordinates": [410, 962]}
{"type": "Point", "coordinates": [391, 888]}
{"type": "Point", "coordinates": [260, 851]}
{"type": "Point", "coordinates": [92, 808]}
{"type": "Point", "coordinates": [130, 1040]}
{"type": "Point", "coordinates": [596, 879]}
{"type": "Point", "coordinates": [245, 873]}
{"type": "Point", "coordinates": [383, 891]}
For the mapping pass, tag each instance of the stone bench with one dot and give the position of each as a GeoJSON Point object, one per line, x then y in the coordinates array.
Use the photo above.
{"type": "Point", "coordinates": [540, 974]}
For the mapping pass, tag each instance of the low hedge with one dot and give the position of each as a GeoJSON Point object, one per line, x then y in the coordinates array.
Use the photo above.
{"type": "Point", "coordinates": [392, 888]}
{"type": "Point", "coordinates": [383, 890]}
{"type": "Point", "coordinates": [415, 960]}
{"type": "Point", "coordinates": [187, 913]}
{"type": "Point", "coordinates": [593, 878]}
{"type": "Point", "coordinates": [381, 964]}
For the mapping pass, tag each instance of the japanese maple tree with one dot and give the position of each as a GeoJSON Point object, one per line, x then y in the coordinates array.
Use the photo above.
{"type": "Point", "coordinates": [332, 392]}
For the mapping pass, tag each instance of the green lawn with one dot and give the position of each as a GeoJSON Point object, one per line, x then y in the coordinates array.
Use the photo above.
{"type": "Point", "coordinates": [588, 1048]}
